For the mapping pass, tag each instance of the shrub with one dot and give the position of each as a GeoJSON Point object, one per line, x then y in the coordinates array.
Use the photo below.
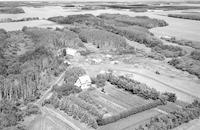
{"type": "Point", "coordinates": [66, 89]}
{"type": "Point", "coordinates": [195, 55]}
{"type": "Point", "coordinates": [100, 80]}
{"type": "Point", "coordinates": [10, 114]}
{"type": "Point", "coordinates": [32, 109]}
{"type": "Point", "coordinates": [72, 74]}
{"type": "Point", "coordinates": [171, 97]}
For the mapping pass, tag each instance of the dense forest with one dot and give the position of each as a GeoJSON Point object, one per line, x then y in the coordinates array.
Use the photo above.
{"type": "Point", "coordinates": [28, 63]}
{"type": "Point", "coordinates": [132, 28]}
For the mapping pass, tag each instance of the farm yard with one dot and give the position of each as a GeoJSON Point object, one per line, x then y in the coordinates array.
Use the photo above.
{"type": "Point", "coordinates": [100, 70]}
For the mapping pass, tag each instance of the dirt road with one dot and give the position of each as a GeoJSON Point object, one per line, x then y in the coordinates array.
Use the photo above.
{"type": "Point", "coordinates": [185, 90]}
{"type": "Point", "coordinates": [45, 95]}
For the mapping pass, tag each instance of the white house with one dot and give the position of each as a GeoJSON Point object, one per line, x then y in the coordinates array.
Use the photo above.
{"type": "Point", "coordinates": [84, 82]}
{"type": "Point", "coordinates": [67, 51]}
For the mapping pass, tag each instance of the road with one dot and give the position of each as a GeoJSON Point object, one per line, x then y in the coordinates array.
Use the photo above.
{"type": "Point", "coordinates": [185, 90]}
{"type": "Point", "coordinates": [45, 95]}
{"type": "Point", "coordinates": [50, 119]}
{"type": "Point", "coordinates": [156, 80]}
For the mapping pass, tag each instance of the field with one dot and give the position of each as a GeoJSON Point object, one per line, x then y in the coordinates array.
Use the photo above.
{"type": "Point", "coordinates": [131, 122]}
{"type": "Point", "coordinates": [116, 100]}
{"type": "Point", "coordinates": [137, 77]}
{"type": "Point", "coordinates": [191, 16]}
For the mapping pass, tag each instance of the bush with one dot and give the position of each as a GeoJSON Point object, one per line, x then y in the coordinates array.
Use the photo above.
{"type": "Point", "coordinates": [195, 55]}
{"type": "Point", "coordinates": [10, 114]}
{"type": "Point", "coordinates": [171, 97]}
{"type": "Point", "coordinates": [32, 109]}
{"type": "Point", "coordinates": [100, 80]}
{"type": "Point", "coordinates": [72, 74]}
{"type": "Point", "coordinates": [66, 89]}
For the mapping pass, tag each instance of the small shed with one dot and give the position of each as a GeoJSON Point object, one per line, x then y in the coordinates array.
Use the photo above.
{"type": "Point", "coordinates": [71, 51]}
{"type": "Point", "coordinates": [96, 61]}
{"type": "Point", "coordinates": [84, 82]}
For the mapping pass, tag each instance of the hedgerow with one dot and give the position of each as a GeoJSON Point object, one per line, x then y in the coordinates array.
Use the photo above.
{"type": "Point", "coordinates": [77, 112]}
{"type": "Point", "coordinates": [173, 119]}
{"type": "Point", "coordinates": [87, 98]}
{"type": "Point", "coordinates": [140, 89]}
{"type": "Point", "coordinates": [88, 107]}
{"type": "Point", "coordinates": [129, 112]}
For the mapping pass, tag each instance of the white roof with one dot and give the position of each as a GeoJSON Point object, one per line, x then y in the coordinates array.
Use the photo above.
{"type": "Point", "coordinates": [71, 51]}
{"type": "Point", "coordinates": [97, 60]}
{"type": "Point", "coordinates": [83, 81]}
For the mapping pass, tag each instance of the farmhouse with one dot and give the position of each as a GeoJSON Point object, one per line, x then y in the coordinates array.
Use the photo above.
{"type": "Point", "coordinates": [84, 82]}
{"type": "Point", "coordinates": [67, 51]}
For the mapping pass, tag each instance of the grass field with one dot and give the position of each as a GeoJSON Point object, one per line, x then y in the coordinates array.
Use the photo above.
{"type": "Point", "coordinates": [127, 98]}
{"type": "Point", "coordinates": [112, 105]}
{"type": "Point", "coordinates": [170, 107]}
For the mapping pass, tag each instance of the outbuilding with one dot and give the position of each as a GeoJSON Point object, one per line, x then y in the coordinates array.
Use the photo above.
{"type": "Point", "coordinates": [84, 82]}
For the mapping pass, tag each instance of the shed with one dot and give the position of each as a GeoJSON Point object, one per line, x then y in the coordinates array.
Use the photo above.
{"type": "Point", "coordinates": [71, 51]}
{"type": "Point", "coordinates": [84, 82]}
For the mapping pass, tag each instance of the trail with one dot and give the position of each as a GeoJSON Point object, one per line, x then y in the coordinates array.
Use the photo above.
{"type": "Point", "coordinates": [39, 102]}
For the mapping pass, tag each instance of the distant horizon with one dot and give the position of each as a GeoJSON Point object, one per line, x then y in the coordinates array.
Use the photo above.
{"type": "Point", "coordinates": [102, 0]}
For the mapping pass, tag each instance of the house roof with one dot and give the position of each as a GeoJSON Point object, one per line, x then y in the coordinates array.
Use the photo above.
{"type": "Point", "coordinates": [85, 79]}
{"type": "Point", "coordinates": [71, 51]}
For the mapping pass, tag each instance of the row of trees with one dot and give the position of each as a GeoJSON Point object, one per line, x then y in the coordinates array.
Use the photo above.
{"type": "Point", "coordinates": [187, 63]}
{"type": "Point", "coordinates": [129, 112]}
{"type": "Point", "coordinates": [140, 89]}
{"type": "Point", "coordinates": [77, 108]}
{"type": "Point", "coordinates": [77, 112]}
{"type": "Point", "coordinates": [143, 21]}
{"type": "Point", "coordinates": [87, 106]}
{"type": "Point", "coordinates": [66, 89]}
{"type": "Point", "coordinates": [87, 98]}
{"type": "Point", "coordinates": [22, 86]}
{"type": "Point", "coordinates": [173, 119]}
